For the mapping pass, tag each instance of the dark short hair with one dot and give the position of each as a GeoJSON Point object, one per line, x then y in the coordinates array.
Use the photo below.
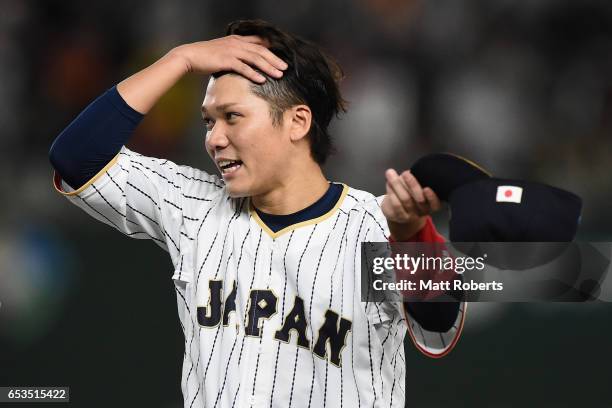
{"type": "Point", "coordinates": [312, 79]}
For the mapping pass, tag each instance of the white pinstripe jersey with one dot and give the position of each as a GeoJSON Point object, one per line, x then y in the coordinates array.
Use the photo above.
{"type": "Point", "coordinates": [270, 319]}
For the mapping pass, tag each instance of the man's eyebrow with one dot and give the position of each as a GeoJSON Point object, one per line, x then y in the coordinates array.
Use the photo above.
{"type": "Point", "coordinates": [220, 108]}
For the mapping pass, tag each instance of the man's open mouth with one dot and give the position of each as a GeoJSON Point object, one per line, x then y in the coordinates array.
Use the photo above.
{"type": "Point", "coordinates": [229, 166]}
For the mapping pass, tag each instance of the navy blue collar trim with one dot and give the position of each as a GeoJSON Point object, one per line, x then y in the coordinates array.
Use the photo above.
{"type": "Point", "coordinates": [319, 208]}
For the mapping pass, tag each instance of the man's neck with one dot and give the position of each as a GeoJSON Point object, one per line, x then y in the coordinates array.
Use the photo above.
{"type": "Point", "coordinates": [296, 193]}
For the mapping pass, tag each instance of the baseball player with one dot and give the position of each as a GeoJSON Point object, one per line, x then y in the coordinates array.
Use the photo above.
{"type": "Point", "coordinates": [267, 255]}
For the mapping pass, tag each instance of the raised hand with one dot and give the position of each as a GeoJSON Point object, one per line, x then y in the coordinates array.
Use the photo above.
{"type": "Point", "coordinates": [237, 53]}
{"type": "Point", "coordinates": [406, 204]}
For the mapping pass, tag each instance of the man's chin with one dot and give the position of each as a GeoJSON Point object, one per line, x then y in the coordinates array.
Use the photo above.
{"type": "Point", "coordinates": [235, 191]}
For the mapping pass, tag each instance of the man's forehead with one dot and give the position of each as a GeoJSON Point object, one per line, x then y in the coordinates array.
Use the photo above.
{"type": "Point", "coordinates": [221, 92]}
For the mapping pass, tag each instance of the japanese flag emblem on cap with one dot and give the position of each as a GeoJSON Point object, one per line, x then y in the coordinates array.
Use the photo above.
{"type": "Point", "coordinates": [509, 194]}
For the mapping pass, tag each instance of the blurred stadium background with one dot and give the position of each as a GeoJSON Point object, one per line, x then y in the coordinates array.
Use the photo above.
{"type": "Point", "coordinates": [523, 87]}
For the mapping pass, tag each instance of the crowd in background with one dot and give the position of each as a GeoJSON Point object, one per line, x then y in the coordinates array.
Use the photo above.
{"type": "Point", "coordinates": [522, 87]}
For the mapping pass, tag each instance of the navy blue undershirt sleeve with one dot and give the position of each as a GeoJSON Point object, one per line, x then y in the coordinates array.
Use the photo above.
{"type": "Point", "coordinates": [93, 138]}
{"type": "Point", "coordinates": [434, 316]}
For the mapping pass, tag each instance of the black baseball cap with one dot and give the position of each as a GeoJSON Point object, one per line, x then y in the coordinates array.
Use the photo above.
{"type": "Point", "coordinates": [486, 208]}
{"type": "Point", "coordinates": [444, 172]}
{"type": "Point", "coordinates": [489, 209]}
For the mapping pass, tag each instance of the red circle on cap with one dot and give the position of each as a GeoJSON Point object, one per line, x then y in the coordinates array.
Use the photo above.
{"type": "Point", "coordinates": [508, 193]}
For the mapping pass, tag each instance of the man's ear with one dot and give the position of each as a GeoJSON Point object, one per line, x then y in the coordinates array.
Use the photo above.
{"type": "Point", "coordinates": [300, 119]}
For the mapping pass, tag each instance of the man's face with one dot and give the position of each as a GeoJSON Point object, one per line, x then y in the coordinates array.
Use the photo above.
{"type": "Point", "coordinates": [248, 150]}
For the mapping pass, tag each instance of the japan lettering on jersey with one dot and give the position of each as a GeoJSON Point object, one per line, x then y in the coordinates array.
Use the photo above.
{"type": "Point", "coordinates": [270, 319]}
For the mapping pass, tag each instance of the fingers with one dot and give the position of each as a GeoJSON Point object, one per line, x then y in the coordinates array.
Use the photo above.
{"type": "Point", "coordinates": [232, 53]}
{"type": "Point", "coordinates": [397, 211]}
{"type": "Point", "coordinates": [248, 72]}
{"type": "Point", "coordinates": [268, 55]}
{"type": "Point", "coordinates": [432, 199]}
{"type": "Point", "coordinates": [254, 53]}
{"type": "Point", "coordinates": [411, 195]}
{"type": "Point", "coordinates": [253, 39]}
{"type": "Point", "coordinates": [399, 190]}
{"type": "Point", "coordinates": [409, 191]}
{"type": "Point", "coordinates": [258, 61]}
{"type": "Point", "coordinates": [416, 191]}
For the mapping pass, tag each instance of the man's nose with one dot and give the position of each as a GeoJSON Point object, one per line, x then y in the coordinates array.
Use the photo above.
{"type": "Point", "coordinates": [217, 138]}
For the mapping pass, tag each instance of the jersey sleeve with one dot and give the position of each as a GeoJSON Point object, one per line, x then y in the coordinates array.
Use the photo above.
{"type": "Point", "coordinates": [143, 197]}
{"type": "Point", "coordinates": [434, 344]}
{"type": "Point", "coordinates": [374, 229]}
